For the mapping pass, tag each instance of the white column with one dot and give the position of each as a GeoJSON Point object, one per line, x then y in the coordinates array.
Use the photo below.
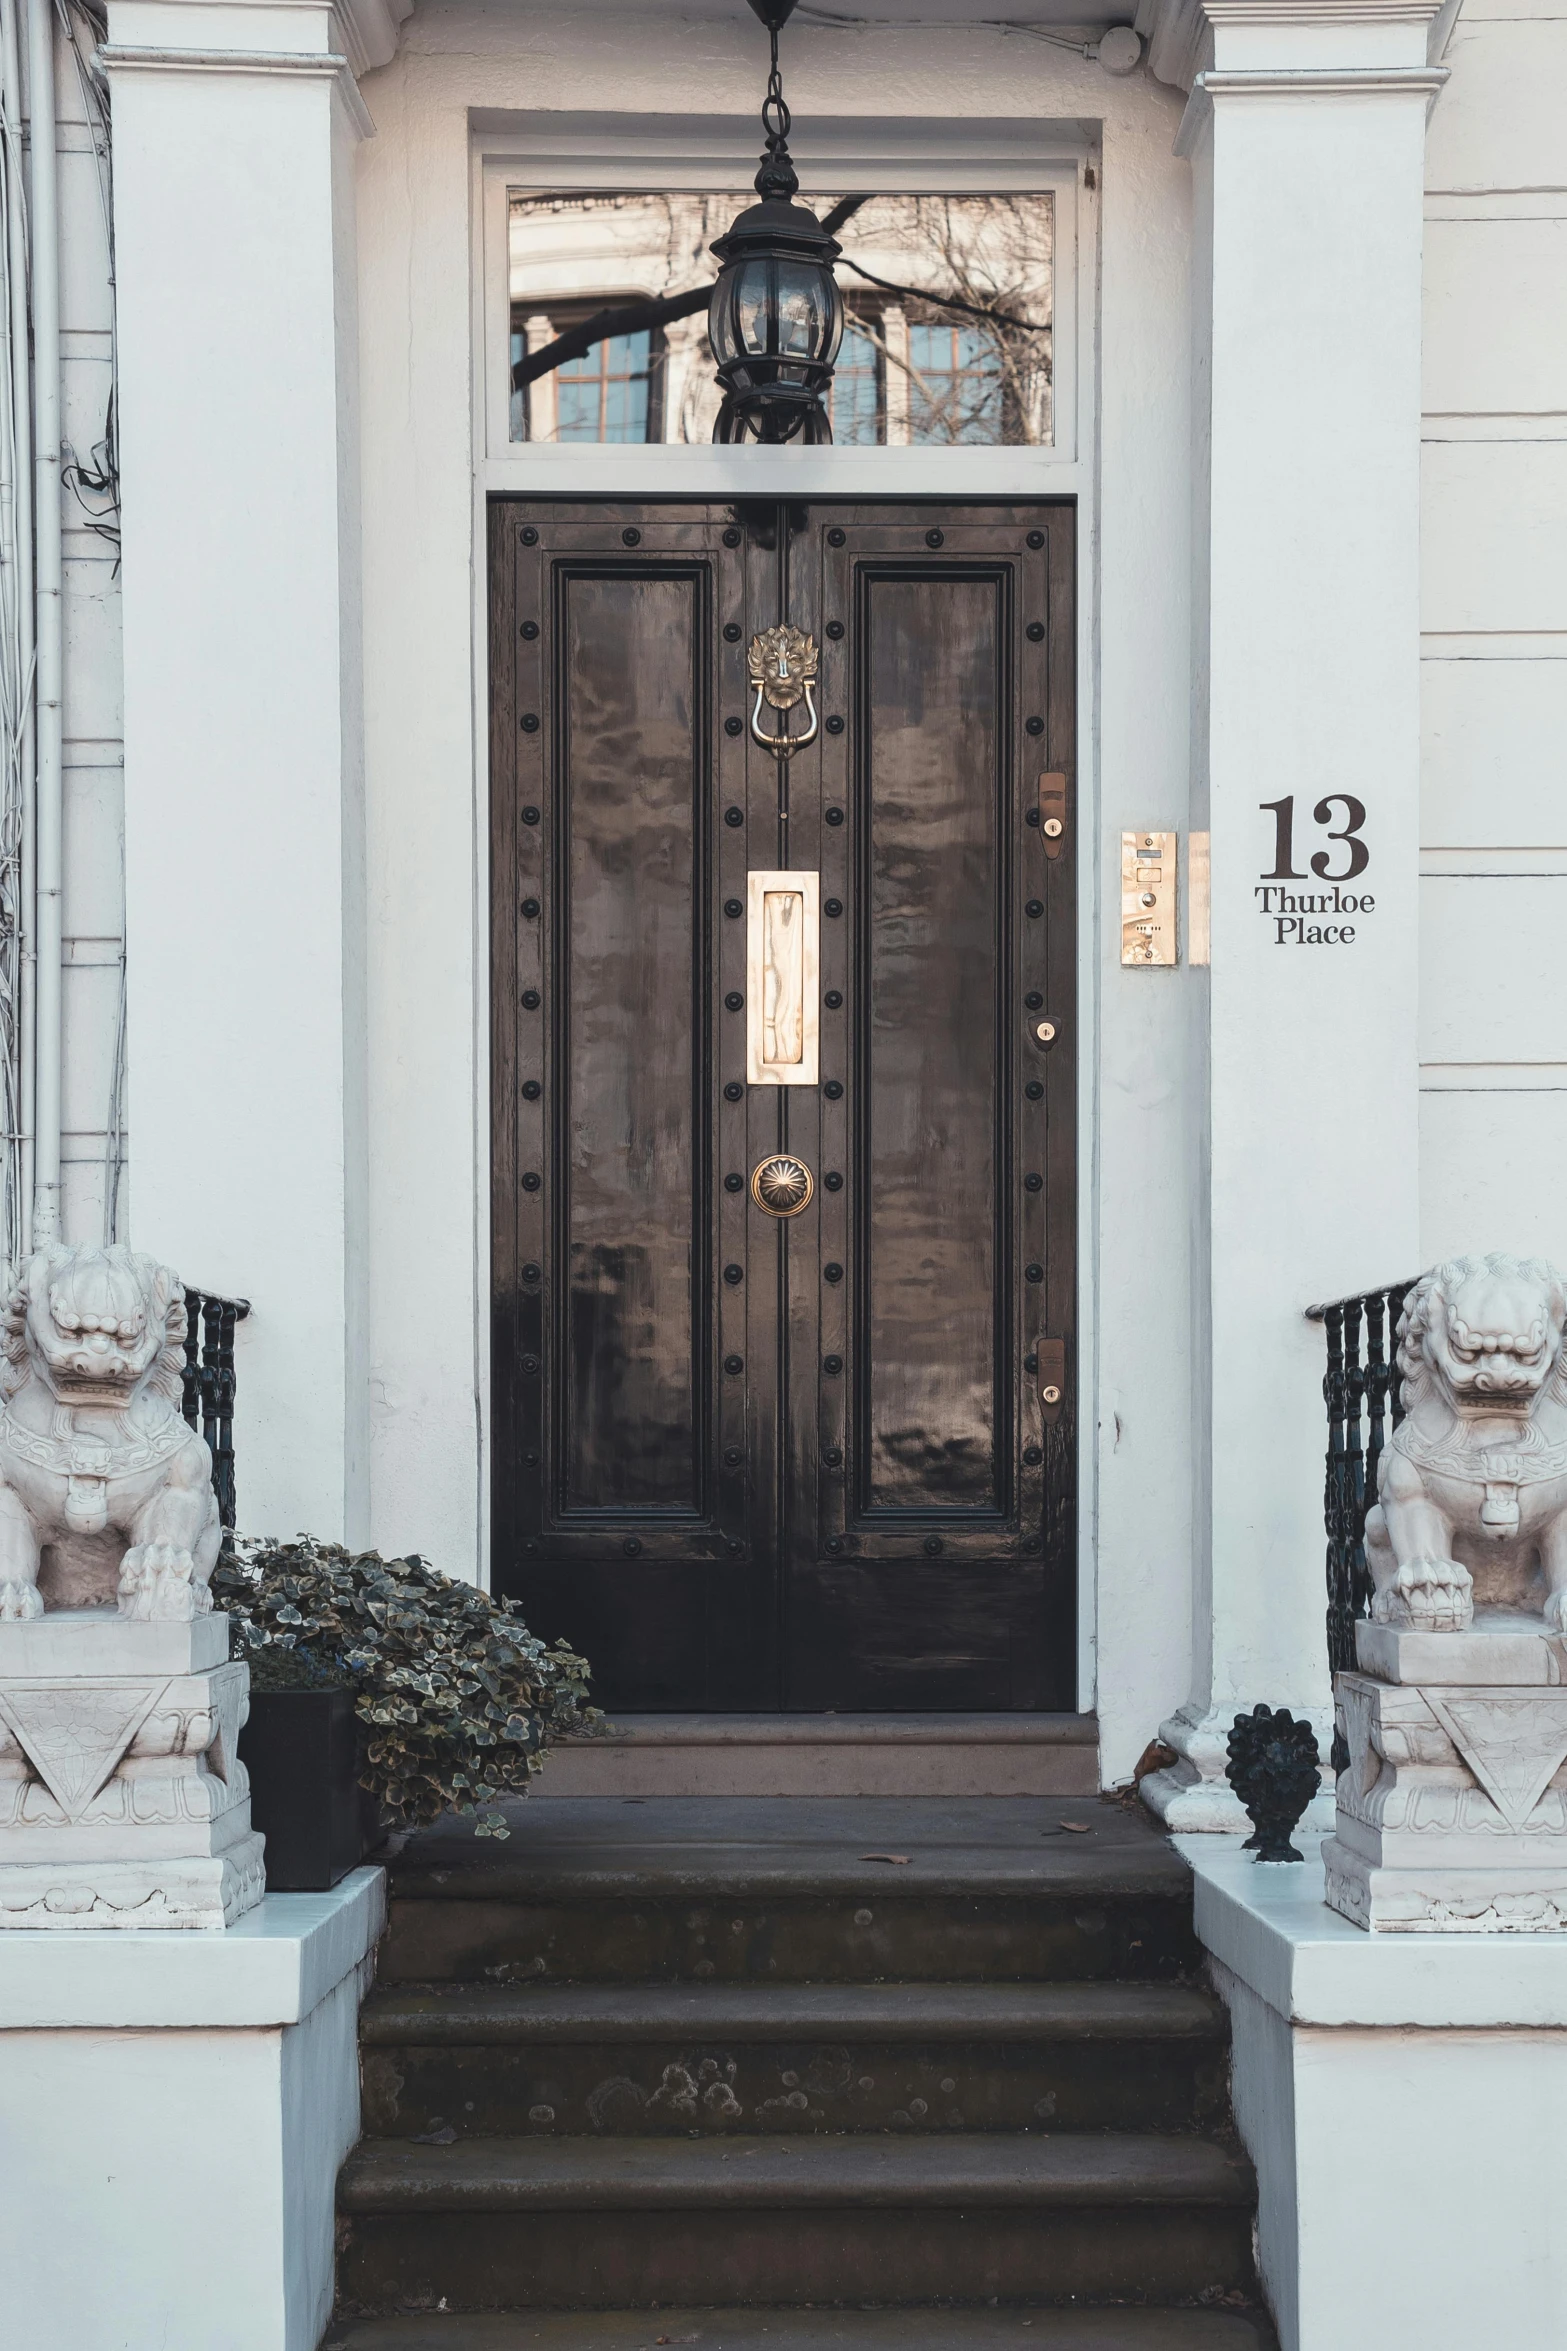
{"type": "Point", "coordinates": [1306, 134]}
{"type": "Point", "coordinates": [234, 129]}
{"type": "Point", "coordinates": [543, 393]}
{"type": "Point", "coordinates": [895, 373]}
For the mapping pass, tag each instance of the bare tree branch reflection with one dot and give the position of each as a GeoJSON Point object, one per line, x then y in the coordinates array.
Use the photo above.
{"type": "Point", "coordinates": [952, 299]}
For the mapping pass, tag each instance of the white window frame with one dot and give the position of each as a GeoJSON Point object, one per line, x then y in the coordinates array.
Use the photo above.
{"type": "Point", "coordinates": [980, 158]}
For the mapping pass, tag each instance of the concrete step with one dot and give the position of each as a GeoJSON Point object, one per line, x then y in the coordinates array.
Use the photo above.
{"type": "Point", "coordinates": [718, 2057]}
{"type": "Point", "coordinates": [815, 2330]}
{"type": "Point", "coordinates": [797, 1890]}
{"type": "Point", "coordinates": [831, 1755]}
{"type": "Point", "coordinates": [514, 2224]}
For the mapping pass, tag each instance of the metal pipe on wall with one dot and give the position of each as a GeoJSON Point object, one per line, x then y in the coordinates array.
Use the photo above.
{"type": "Point", "coordinates": [20, 616]}
{"type": "Point", "coordinates": [48, 921]}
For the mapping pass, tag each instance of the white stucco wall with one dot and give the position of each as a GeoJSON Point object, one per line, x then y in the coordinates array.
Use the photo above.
{"type": "Point", "coordinates": [1494, 814]}
{"type": "Point", "coordinates": [425, 773]}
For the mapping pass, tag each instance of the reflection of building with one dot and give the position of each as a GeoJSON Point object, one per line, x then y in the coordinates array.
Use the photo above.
{"type": "Point", "coordinates": [912, 371]}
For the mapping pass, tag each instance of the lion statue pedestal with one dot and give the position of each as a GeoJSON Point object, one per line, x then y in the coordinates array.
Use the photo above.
{"type": "Point", "coordinates": [123, 1802]}
{"type": "Point", "coordinates": [1452, 1814]}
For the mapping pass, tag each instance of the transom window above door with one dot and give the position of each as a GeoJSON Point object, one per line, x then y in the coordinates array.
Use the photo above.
{"type": "Point", "coordinates": [948, 336]}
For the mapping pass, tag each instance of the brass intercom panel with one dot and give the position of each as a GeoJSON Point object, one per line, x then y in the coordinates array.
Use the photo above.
{"type": "Point", "coordinates": [1148, 898]}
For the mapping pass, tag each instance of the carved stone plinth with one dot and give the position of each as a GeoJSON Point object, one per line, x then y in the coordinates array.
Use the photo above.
{"type": "Point", "coordinates": [1452, 1815]}
{"type": "Point", "coordinates": [123, 1802]}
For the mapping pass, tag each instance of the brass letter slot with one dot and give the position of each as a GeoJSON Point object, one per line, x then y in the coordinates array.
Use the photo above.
{"type": "Point", "coordinates": [1052, 1380]}
{"type": "Point", "coordinates": [1052, 813]}
{"type": "Point", "coordinates": [782, 978]}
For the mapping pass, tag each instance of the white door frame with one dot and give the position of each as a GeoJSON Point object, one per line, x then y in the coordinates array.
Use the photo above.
{"type": "Point", "coordinates": [622, 151]}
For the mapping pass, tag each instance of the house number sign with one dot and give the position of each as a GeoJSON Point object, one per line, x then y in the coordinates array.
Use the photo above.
{"type": "Point", "coordinates": [1317, 913]}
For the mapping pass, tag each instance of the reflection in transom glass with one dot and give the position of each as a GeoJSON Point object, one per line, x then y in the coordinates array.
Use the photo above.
{"type": "Point", "coordinates": [956, 383]}
{"type": "Point", "coordinates": [603, 396]}
{"type": "Point", "coordinates": [856, 403]}
{"type": "Point", "coordinates": [947, 337]}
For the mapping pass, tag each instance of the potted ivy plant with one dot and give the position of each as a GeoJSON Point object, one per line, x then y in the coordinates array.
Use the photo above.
{"type": "Point", "coordinates": [383, 1694]}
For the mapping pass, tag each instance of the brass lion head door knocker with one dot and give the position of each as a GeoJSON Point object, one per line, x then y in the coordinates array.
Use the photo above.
{"type": "Point", "coordinates": [782, 665]}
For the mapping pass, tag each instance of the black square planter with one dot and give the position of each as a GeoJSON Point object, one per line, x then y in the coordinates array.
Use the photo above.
{"type": "Point", "coordinates": [301, 1749]}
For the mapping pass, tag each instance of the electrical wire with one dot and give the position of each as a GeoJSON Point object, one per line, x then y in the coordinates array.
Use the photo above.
{"type": "Point", "coordinates": [832, 19]}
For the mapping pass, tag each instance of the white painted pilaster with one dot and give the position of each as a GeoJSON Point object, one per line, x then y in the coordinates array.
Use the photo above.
{"type": "Point", "coordinates": [235, 2049]}
{"type": "Point", "coordinates": [1306, 132]}
{"type": "Point", "coordinates": [234, 128]}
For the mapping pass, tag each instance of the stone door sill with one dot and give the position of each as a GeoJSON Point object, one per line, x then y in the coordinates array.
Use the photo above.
{"type": "Point", "coordinates": [831, 1755]}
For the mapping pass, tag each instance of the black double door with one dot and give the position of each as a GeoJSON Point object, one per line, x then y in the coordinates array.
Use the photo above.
{"type": "Point", "coordinates": [752, 1453]}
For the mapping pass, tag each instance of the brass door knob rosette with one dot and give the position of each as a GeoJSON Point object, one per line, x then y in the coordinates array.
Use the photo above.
{"type": "Point", "coordinates": [782, 1185]}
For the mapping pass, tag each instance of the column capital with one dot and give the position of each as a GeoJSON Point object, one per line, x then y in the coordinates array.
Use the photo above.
{"type": "Point", "coordinates": [1188, 39]}
{"type": "Point", "coordinates": [1355, 81]}
{"type": "Point", "coordinates": [342, 39]}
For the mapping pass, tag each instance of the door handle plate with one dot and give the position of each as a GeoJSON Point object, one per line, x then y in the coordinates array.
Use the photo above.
{"type": "Point", "coordinates": [783, 978]}
{"type": "Point", "coordinates": [1052, 1380]}
{"type": "Point", "coordinates": [1052, 812]}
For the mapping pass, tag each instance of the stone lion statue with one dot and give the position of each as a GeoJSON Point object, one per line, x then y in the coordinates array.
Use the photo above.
{"type": "Point", "coordinates": [105, 1491]}
{"type": "Point", "coordinates": [1472, 1489]}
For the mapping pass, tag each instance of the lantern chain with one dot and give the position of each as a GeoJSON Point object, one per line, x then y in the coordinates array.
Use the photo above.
{"type": "Point", "coordinates": [777, 176]}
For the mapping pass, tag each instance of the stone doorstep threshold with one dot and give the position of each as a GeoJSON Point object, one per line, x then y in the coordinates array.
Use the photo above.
{"type": "Point", "coordinates": [1123, 2328]}
{"type": "Point", "coordinates": [831, 1755]}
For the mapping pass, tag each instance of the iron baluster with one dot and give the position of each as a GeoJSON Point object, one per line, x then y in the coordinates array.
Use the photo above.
{"type": "Point", "coordinates": [190, 1377]}
{"type": "Point", "coordinates": [208, 1385]}
{"type": "Point", "coordinates": [223, 1411]}
{"type": "Point", "coordinates": [1377, 1375]}
{"type": "Point", "coordinates": [1398, 1299]}
{"type": "Point", "coordinates": [1361, 1390]}
{"type": "Point", "coordinates": [1359, 1340]}
{"type": "Point", "coordinates": [1335, 1493]}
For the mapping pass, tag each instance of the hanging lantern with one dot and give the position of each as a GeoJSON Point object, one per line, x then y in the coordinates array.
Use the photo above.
{"type": "Point", "coordinates": [775, 319]}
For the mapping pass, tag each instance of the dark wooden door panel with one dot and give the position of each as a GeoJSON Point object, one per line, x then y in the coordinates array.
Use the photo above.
{"type": "Point", "coordinates": [628, 972]}
{"type": "Point", "coordinates": [932, 1211]}
{"type": "Point", "coordinates": [620, 1514]}
{"type": "Point", "coordinates": [910, 1635]}
{"type": "Point", "coordinates": [742, 1461]}
{"type": "Point", "coordinates": [932, 1535]}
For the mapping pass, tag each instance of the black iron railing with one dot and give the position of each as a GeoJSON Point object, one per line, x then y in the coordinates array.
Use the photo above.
{"type": "Point", "coordinates": [208, 1400]}
{"type": "Point", "coordinates": [1361, 1389]}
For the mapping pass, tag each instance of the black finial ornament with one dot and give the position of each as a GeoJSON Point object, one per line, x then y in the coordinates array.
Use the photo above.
{"type": "Point", "coordinates": [776, 316]}
{"type": "Point", "coordinates": [1275, 1770]}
